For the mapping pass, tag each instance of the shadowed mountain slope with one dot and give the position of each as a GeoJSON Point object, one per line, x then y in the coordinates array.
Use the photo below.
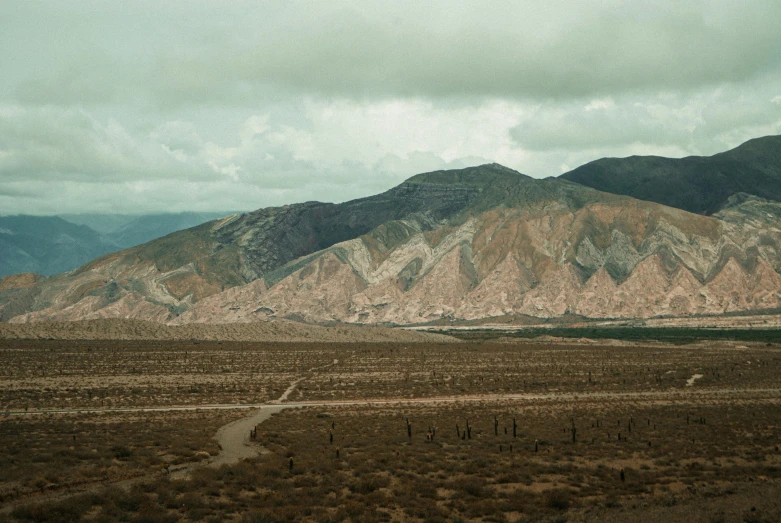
{"type": "Point", "coordinates": [699, 184]}
{"type": "Point", "coordinates": [46, 245]}
{"type": "Point", "coordinates": [126, 231]}
{"type": "Point", "coordinates": [51, 245]}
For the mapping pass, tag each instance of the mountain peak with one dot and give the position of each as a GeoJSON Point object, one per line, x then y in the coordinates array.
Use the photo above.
{"type": "Point", "coordinates": [479, 175]}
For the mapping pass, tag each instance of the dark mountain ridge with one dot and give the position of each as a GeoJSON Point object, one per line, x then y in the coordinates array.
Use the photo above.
{"type": "Point", "coordinates": [699, 184]}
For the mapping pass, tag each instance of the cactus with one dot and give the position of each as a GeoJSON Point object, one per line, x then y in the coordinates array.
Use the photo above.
{"type": "Point", "coordinates": [623, 476]}
{"type": "Point", "coordinates": [458, 431]}
{"type": "Point", "coordinates": [536, 446]}
{"type": "Point", "coordinates": [496, 426]}
{"type": "Point", "coordinates": [290, 464]}
{"type": "Point", "coordinates": [515, 429]}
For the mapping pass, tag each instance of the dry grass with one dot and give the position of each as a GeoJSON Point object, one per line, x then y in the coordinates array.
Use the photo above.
{"type": "Point", "coordinates": [712, 456]}
{"type": "Point", "coordinates": [50, 453]}
{"type": "Point", "coordinates": [383, 475]}
{"type": "Point", "coordinates": [499, 476]}
{"type": "Point", "coordinates": [278, 331]}
{"type": "Point", "coordinates": [431, 370]}
{"type": "Point", "coordinates": [104, 374]}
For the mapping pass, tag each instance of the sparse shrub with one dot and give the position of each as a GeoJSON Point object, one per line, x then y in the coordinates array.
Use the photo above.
{"type": "Point", "coordinates": [121, 452]}
{"type": "Point", "coordinates": [558, 499]}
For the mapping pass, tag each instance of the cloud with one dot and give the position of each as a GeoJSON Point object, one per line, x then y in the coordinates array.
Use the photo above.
{"type": "Point", "coordinates": [74, 160]}
{"type": "Point", "coordinates": [148, 106]}
{"type": "Point", "coordinates": [240, 52]}
{"type": "Point", "coordinates": [701, 122]}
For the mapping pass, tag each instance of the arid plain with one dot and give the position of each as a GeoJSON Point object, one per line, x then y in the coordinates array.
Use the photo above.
{"type": "Point", "coordinates": [417, 429]}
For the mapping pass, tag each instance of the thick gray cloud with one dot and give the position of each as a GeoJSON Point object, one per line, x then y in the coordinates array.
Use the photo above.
{"type": "Point", "coordinates": [149, 106]}
{"type": "Point", "coordinates": [701, 122]}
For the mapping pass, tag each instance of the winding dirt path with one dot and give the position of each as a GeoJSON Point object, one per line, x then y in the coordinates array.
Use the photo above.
{"type": "Point", "coordinates": [233, 440]}
{"type": "Point", "coordinates": [235, 443]}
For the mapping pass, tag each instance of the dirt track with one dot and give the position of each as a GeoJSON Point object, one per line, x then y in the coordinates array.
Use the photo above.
{"type": "Point", "coordinates": [232, 438]}
{"type": "Point", "coordinates": [678, 394]}
{"type": "Point", "coordinates": [235, 444]}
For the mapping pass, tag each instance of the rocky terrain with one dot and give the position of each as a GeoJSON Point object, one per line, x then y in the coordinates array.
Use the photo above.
{"type": "Point", "coordinates": [610, 258]}
{"type": "Point", "coordinates": [462, 245]}
{"type": "Point", "coordinates": [162, 278]}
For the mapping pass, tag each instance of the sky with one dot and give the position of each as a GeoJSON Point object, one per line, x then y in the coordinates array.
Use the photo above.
{"type": "Point", "coordinates": [147, 106]}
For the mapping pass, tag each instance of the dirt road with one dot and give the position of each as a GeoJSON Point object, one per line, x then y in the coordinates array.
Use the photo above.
{"type": "Point", "coordinates": [235, 443]}
{"type": "Point", "coordinates": [233, 440]}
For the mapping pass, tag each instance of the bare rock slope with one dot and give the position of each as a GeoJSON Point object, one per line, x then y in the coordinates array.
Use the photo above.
{"type": "Point", "coordinates": [162, 278]}
{"type": "Point", "coordinates": [614, 258]}
{"type": "Point", "coordinates": [467, 244]}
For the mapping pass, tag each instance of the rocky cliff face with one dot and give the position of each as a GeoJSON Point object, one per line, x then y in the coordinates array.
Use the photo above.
{"type": "Point", "coordinates": [457, 245]}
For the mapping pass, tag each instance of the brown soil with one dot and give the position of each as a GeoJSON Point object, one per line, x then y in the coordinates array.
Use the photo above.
{"type": "Point", "coordinates": [277, 331]}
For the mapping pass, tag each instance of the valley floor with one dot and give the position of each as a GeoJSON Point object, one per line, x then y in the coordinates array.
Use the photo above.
{"type": "Point", "coordinates": [160, 431]}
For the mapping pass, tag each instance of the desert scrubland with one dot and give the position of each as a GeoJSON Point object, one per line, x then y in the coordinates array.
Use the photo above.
{"type": "Point", "coordinates": [517, 430]}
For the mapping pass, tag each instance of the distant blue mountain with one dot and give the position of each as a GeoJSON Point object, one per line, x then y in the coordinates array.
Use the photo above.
{"type": "Point", "coordinates": [53, 244]}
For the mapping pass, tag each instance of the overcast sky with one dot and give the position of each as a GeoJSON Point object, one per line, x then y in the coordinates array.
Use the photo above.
{"type": "Point", "coordinates": [135, 106]}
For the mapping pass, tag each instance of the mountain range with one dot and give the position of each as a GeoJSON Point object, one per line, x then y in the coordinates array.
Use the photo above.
{"type": "Point", "coordinates": [49, 245]}
{"type": "Point", "coordinates": [638, 237]}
